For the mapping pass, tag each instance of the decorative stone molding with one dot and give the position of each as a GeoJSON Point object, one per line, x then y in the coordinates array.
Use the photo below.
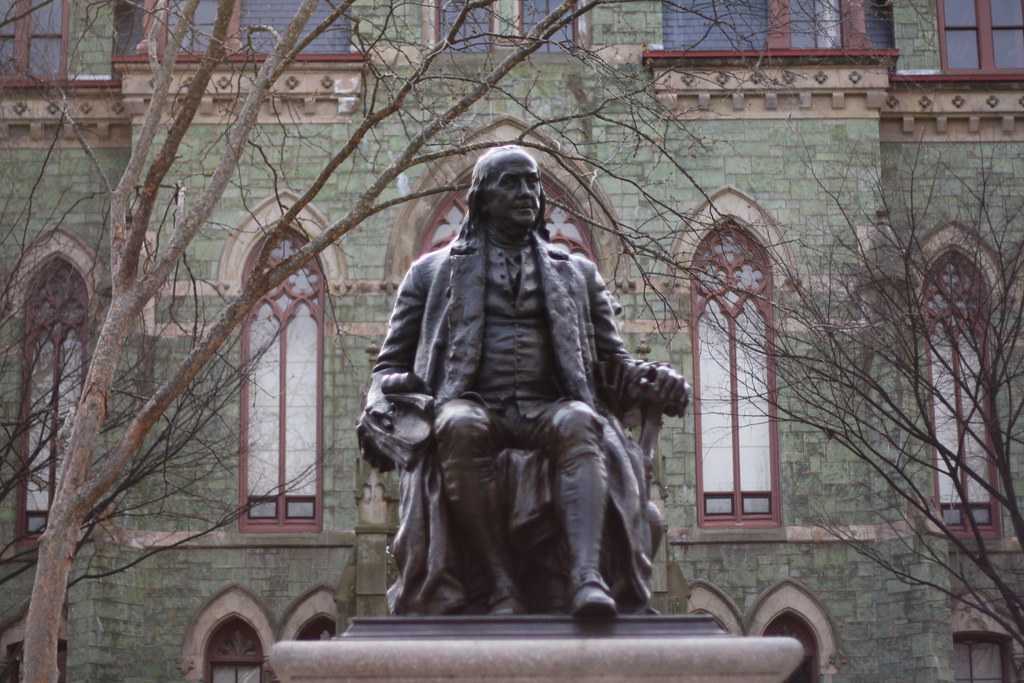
{"type": "Point", "coordinates": [775, 92]}
{"type": "Point", "coordinates": [252, 228]}
{"type": "Point", "coordinates": [318, 602]}
{"type": "Point", "coordinates": [233, 601]}
{"type": "Point", "coordinates": [789, 596]}
{"type": "Point", "coordinates": [312, 92]}
{"type": "Point", "coordinates": [706, 598]}
{"type": "Point", "coordinates": [953, 112]}
{"type": "Point", "coordinates": [730, 204]}
{"type": "Point", "coordinates": [54, 244]}
{"type": "Point", "coordinates": [37, 117]}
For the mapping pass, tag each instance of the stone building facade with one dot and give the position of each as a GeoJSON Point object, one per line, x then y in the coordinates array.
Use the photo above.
{"type": "Point", "coordinates": [785, 122]}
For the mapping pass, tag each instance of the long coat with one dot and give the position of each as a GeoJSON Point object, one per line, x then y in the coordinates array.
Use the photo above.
{"type": "Point", "coordinates": [436, 330]}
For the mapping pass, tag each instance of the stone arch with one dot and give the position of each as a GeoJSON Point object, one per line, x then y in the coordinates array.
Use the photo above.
{"type": "Point", "coordinates": [12, 631]}
{"type": "Point", "coordinates": [789, 596]}
{"type": "Point", "coordinates": [316, 602]}
{"type": "Point", "coordinates": [955, 237]}
{"type": "Point", "coordinates": [707, 598]}
{"type": "Point", "coordinates": [50, 245]}
{"type": "Point", "coordinates": [232, 601]}
{"type": "Point", "coordinates": [732, 205]}
{"type": "Point", "coordinates": [242, 239]}
{"type": "Point", "coordinates": [965, 619]}
{"type": "Point", "coordinates": [407, 232]}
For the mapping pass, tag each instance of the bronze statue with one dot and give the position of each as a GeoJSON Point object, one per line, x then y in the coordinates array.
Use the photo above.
{"type": "Point", "coordinates": [498, 393]}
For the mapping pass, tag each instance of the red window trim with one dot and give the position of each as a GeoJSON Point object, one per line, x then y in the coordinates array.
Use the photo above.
{"type": "Point", "coordinates": [439, 32]}
{"type": "Point", "coordinates": [22, 42]}
{"type": "Point", "coordinates": [986, 50]}
{"type": "Point", "coordinates": [232, 40]}
{"type": "Point", "coordinates": [966, 527]}
{"type": "Point", "coordinates": [985, 637]}
{"type": "Point", "coordinates": [210, 659]}
{"type": "Point", "coordinates": [32, 336]}
{"type": "Point", "coordinates": [698, 303]}
{"type": "Point", "coordinates": [281, 523]}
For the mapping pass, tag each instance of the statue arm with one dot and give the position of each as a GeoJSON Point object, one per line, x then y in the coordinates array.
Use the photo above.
{"type": "Point", "coordinates": [398, 352]}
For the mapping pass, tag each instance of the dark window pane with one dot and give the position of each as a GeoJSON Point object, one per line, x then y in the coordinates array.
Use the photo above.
{"type": "Point", "coordinates": [757, 505]}
{"type": "Point", "coordinates": [334, 40]}
{"type": "Point", "coordinates": [47, 16]}
{"type": "Point", "coordinates": [814, 24]}
{"type": "Point", "coordinates": [35, 522]}
{"type": "Point", "coordinates": [1009, 48]}
{"type": "Point", "coordinates": [1006, 13]}
{"type": "Point", "coordinates": [878, 23]}
{"type": "Point", "coordinates": [951, 516]}
{"type": "Point", "coordinates": [981, 515]}
{"type": "Point", "coordinates": [472, 35]}
{"type": "Point", "coordinates": [266, 509]}
{"type": "Point", "coordinates": [715, 24]}
{"type": "Point", "coordinates": [7, 55]}
{"type": "Point", "coordinates": [534, 11]}
{"type": "Point", "coordinates": [962, 49]}
{"type": "Point", "coordinates": [718, 505]}
{"type": "Point", "coordinates": [44, 57]}
{"type": "Point", "coordinates": [300, 509]}
{"type": "Point", "coordinates": [128, 27]}
{"type": "Point", "coordinates": [960, 13]}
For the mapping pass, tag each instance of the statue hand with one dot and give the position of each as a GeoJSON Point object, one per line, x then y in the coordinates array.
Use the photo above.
{"type": "Point", "coordinates": [661, 385]}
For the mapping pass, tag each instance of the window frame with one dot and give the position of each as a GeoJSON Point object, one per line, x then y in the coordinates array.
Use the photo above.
{"type": "Point", "coordinates": [853, 35]}
{"type": "Point", "coordinates": [987, 638]}
{"type": "Point", "coordinates": [32, 335]}
{"type": "Point", "coordinates": [281, 523]}
{"type": "Point", "coordinates": [763, 304]}
{"type": "Point", "coordinates": [966, 527]}
{"type": "Point", "coordinates": [210, 659]}
{"type": "Point", "coordinates": [23, 35]}
{"type": "Point", "coordinates": [232, 39]}
{"type": "Point", "coordinates": [548, 48]}
{"type": "Point", "coordinates": [985, 44]}
{"type": "Point", "coordinates": [440, 32]}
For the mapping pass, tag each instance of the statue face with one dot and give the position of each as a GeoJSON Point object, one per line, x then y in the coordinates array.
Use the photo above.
{"type": "Point", "coordinates": [511, 195]}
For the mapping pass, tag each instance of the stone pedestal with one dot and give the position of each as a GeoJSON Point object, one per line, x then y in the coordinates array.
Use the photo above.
{"type": "Point", "coordinates": [532, 649]}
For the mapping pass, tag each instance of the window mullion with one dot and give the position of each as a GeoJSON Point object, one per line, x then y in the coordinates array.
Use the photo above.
{"type": "Point", "coordinates": [983, 16]}
{"type": "Point", "coordinates": [734, 403]}
{"type": "Point", "coordinates": [282, 414]}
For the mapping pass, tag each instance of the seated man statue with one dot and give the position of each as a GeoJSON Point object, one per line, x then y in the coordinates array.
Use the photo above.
{"type": "Point", "coordinates": [498, 393]}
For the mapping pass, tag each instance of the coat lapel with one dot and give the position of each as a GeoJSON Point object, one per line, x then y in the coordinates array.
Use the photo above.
{"type": "Point", "coordinates": [557, 276]}
{"type": "Point", "coordinates": [465, 318]}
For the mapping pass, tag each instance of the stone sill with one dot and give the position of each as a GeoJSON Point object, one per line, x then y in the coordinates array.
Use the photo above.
{"type": "Point", "coordinates": [776, 57]}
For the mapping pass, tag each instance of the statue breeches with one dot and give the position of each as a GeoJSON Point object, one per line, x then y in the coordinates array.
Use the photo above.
{"type": "Point", "coordinates": [567, 433]}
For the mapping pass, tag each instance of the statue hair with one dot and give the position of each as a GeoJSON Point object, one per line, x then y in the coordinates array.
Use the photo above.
{"type": "Point", "coordinates": [483, 172]}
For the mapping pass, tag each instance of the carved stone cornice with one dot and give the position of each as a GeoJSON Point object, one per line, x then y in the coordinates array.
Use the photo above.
{"type": "Point", "coordinates": [33, 116]}
{"type": "Point", "coordinates": [953, 111]}
{"type": "Point", "coordinates": [785, 91]}
{"type": "Point", "coordinates": [326, 91]}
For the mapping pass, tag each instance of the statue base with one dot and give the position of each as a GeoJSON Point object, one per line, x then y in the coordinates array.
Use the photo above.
{"type": "Point", "coordinates": [542, 649]}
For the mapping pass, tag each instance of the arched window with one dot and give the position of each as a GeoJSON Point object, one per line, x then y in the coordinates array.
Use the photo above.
{"type": "Point", "coordinates": [737, 451]}
{"type": "Point", "coordinates": [954, 300]}
{"type": "Point", "coordinates": [979, 658]}
{"type": "Point", "coordinates": [792, 626]}
{"type": "Point", "coordinates": [317, 628]}
{"type": "Point", "coordinates": [54, 363]}
{"type": "Point", "coordinates": [563, 222]}
{"type": "Point", "coordinates": [234, 654]}
{"type": "Point", "coordinates": [281, 402]}
{"type": "Point", "coordinates": [11, 672]}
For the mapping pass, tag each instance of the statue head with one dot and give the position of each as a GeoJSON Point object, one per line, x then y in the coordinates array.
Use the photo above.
{"type": "Point", "coordinates": [506, 194]}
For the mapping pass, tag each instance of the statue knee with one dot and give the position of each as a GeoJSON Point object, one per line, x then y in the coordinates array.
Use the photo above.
{"type": "Point", "coordinates": [577, 427]}
{"type": "Point", "coordinates": [463, 423]}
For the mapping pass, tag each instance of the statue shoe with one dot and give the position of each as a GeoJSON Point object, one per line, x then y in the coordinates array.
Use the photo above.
{"type": "Point", "coordinates": [593, 602]}
{"type": "Point", "coordinates": [507, 606]}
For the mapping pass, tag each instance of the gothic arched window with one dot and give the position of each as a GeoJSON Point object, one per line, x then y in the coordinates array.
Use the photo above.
{"type": "Point", "coordinates": [317, 628]}
{"type": "Point", "coordinates": [789, 625]}
{"type": "Point", "coordinates": [234, 654]}
{"type": "Point", "coordinates": [564, 222]}
{"type": "Point", "coordinates": [54, 365]}
{"type": "Point", "coordinates": [737, 451]}
{"type": "Point", "coordinates": [281, 401]}
{"type": "Point", "coordinates": [954, 304]}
